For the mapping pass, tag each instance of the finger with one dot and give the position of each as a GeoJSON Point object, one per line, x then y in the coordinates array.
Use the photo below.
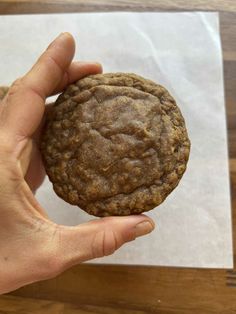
{"type": "Point", "coordinates": [23, 107]}
{"type": "Point", "coordinates": [3, 91]}
{"type": "Point", "coordinates": [100, 237]}
{"type": "Point", "coordinates": [51, 66]}
{"type": "Point", "coordinates": [34, 172]}
{"type": "Point", "coordinates": [76, 71]}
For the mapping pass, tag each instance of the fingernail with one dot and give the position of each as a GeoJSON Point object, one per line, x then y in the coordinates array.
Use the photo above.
{"type": "Point", "coordinates": [59, 37]}
{"type": "Point", "coordinates": [88, 62]}
{"type": "Point", "coordinates": [143, 228]}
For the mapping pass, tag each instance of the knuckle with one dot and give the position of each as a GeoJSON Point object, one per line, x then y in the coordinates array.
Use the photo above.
{"type": "Point", "coordinates": [110, 243]}
{"type": "Point", "coordinates": [15, 87]}
{"type": "Point", "coordinates": [9, 171]}
{"type": "Point", "coordinates": [6, 149]}
{"type": "Point", "coordinates": [97, 244]}
{"type": "Point", "coordinates": [105, 243]}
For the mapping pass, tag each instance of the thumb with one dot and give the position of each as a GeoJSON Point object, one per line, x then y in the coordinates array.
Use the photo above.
{"type": "Point", "coordinates": [99, 238]}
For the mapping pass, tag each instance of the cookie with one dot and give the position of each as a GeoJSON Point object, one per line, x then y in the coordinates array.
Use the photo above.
{"type": "Point", "coordinates": [115, 144]}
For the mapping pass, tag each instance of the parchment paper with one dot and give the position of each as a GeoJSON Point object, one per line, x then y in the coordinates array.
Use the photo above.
{"type": "Point", "coordinates": [182, 51]}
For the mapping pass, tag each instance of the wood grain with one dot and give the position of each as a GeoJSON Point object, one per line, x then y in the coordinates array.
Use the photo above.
{"type": "Point", "coordinates": [17, 305]}
{"type": "Point", "coordinates": [127, 289]}
{"type": "Point", "coordinates": [147, 289]}
{"type": "Point", "coordinates": [47, 6]}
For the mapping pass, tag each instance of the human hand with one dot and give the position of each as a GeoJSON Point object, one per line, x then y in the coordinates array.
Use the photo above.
{"type": "Point", "coordinates": [33, 248]}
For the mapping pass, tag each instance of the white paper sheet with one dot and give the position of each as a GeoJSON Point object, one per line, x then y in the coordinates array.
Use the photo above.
{"type": "Point", "coordinates": [181, 51]}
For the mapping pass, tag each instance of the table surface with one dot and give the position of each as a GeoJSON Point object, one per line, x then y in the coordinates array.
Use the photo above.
{"type": "Point", "coordinates": [135, 289]}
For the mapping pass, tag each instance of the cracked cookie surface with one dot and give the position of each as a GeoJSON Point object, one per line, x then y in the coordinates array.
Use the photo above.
{"type": "Point", "coordinates": [115, 144]}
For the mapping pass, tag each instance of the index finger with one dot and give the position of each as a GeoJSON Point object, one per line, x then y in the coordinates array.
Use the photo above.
{"type": "Point", "coordinates": [23, 108]}
{"type": "Point", "coordinates": [47, 73]}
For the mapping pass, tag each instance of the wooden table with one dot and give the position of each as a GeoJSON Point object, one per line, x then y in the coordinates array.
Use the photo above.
{"type": "Point", "coordinates": [128, 289]}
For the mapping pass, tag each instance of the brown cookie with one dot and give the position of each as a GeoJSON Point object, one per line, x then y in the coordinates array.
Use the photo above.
{"type": "Point", "coordinates": [3, 91]}
{"type": "Point", "coordinates": [115, 144]}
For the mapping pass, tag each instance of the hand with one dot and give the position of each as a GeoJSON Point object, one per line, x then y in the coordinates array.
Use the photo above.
{"type": "Point", "coordinates": [33, 248]}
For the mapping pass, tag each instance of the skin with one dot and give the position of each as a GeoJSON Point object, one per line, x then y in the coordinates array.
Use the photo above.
{"type": "Point", "coordinates": [33, 248]}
